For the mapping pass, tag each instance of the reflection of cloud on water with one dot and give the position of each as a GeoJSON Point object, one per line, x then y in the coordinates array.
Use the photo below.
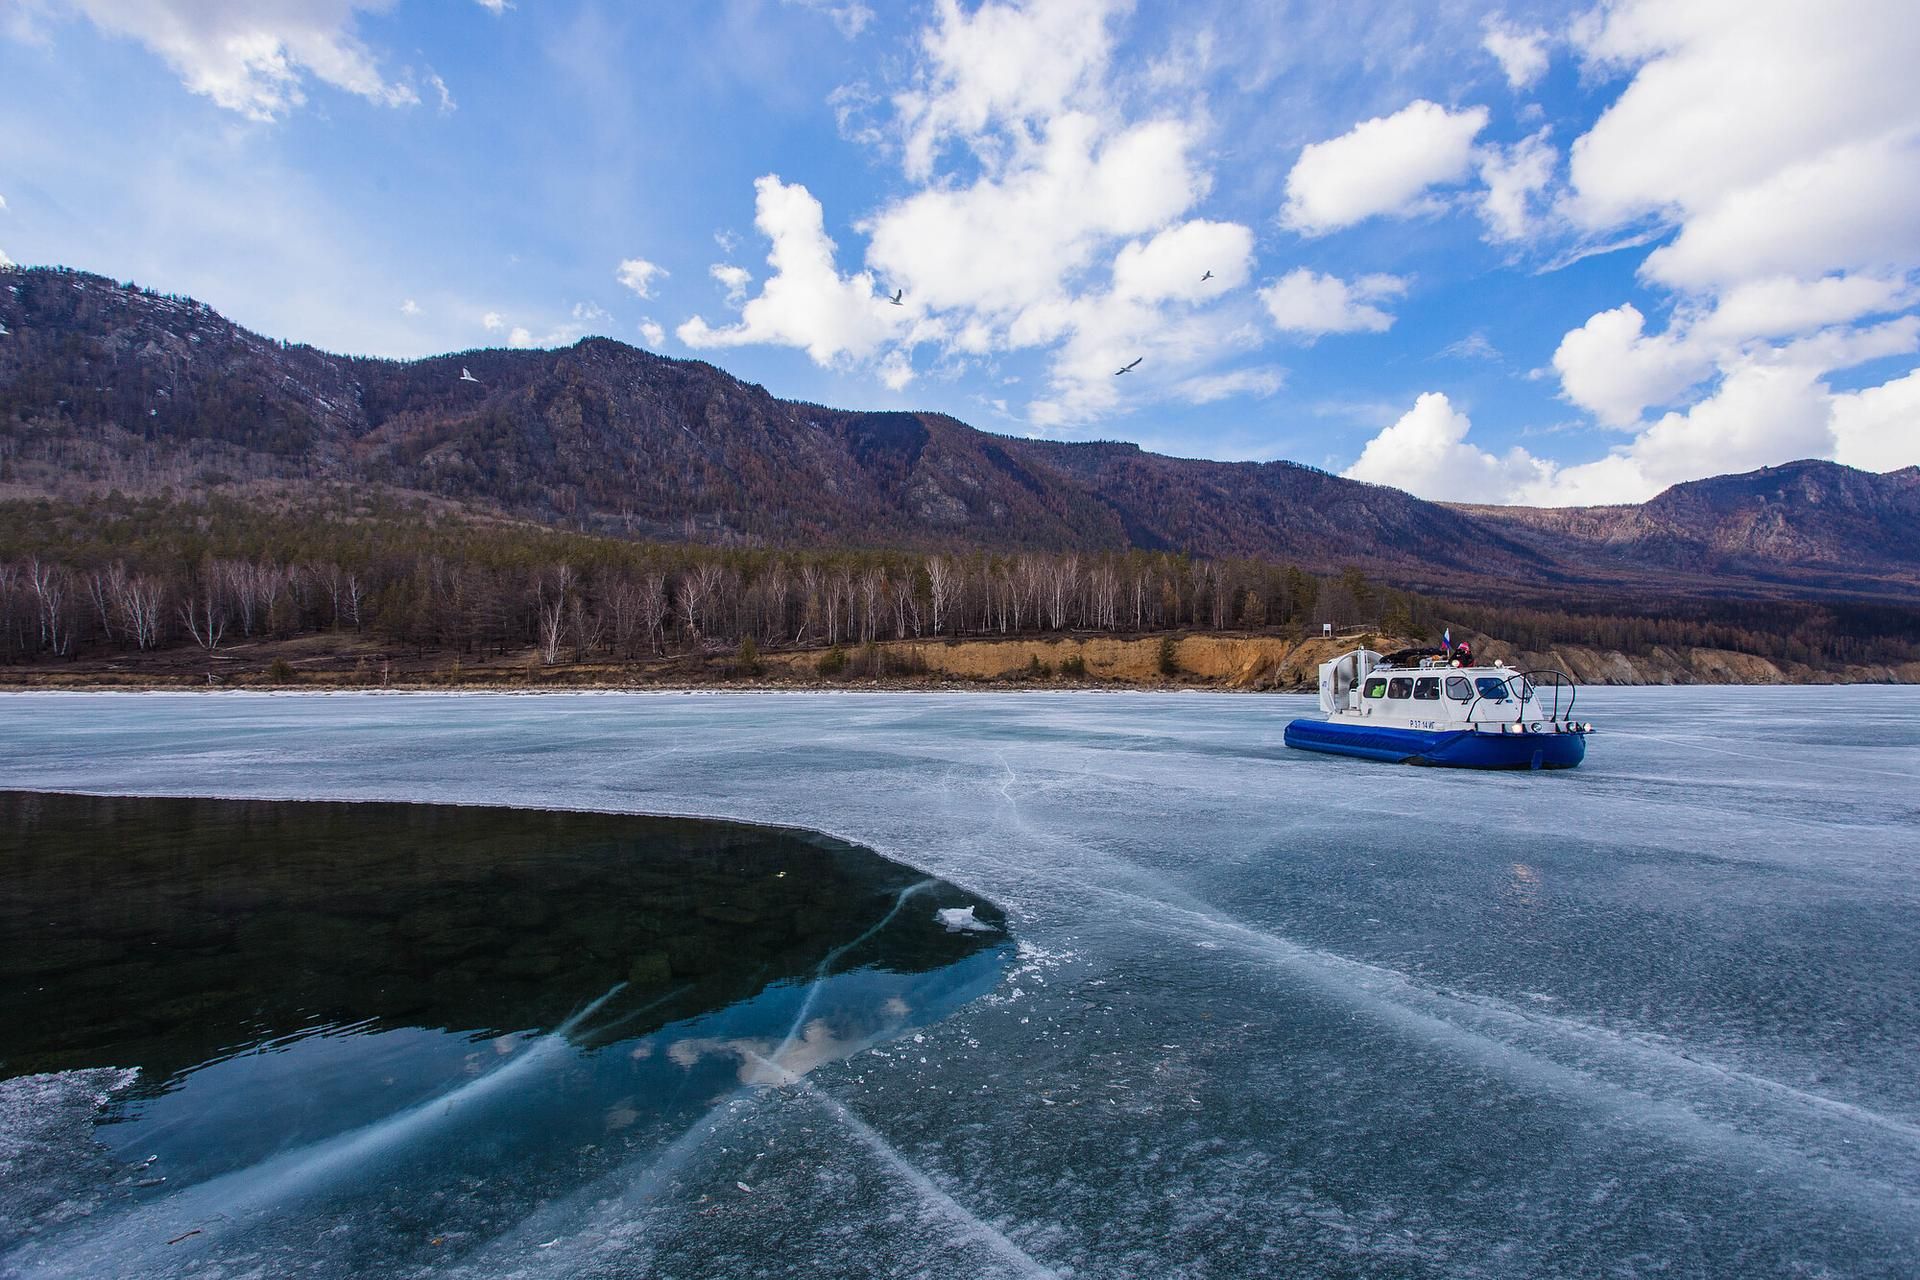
{"type": "Point", "coordinates": [1523, 889]}
{"type": "Point", "coordinates": [962, 920]}
{"type": "Point", "coordinates": [770, 1061]}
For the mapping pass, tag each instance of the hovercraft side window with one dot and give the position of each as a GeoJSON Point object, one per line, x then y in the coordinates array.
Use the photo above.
{"type": "Point", "coordinates": [1459, 688]}
{"type": "Point", "coordinates": [1427, 689]}
{"type": "Point", "coordinates": [1400, 687]}
{"type": "Point", "coordinates": [1377, 687]}
{"type": "Point", "coordinates": [1492, 688]}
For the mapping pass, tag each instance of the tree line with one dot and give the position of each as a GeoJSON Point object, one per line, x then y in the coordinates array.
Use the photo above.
{"type": "Point", "coordinates": [138, 575]}
{"type": "Point", "coordinates": [217, 576]}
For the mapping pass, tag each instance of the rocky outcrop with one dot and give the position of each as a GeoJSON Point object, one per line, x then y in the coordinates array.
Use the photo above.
{"type": "Point", "coordinates": [1665, 665]}
{"type": "Point", "coordinates": [1262, 662]}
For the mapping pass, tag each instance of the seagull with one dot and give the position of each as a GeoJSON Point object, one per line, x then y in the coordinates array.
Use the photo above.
{"type": "Point", "coordinates": [1129, 368]}
{"type": "Point", "coordinates": [1207, 277]}
{"type": "Point", "coordinates": [895, 299]}
{"type": "Point", "coordinates": [465, 376]}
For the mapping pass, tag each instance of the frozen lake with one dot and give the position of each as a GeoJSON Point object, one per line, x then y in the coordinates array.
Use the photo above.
{"type": "Point", "coordinates": [1271, 1013]}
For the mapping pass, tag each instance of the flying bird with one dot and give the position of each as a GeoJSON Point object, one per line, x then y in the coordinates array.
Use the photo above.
{"type": "Point", "coordinates": [466, 376]}
{"type": "Point", "coordinates": [1129, 368]}
{"type": "Point", "coordinates": [1207, 277]}
{"type": "Point", "coordinates": [895, 299]}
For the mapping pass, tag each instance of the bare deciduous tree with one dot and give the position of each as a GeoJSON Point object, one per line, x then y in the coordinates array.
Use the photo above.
{"type": "Point", "coordinates": [697, 588]}
{"type": "Point", "coordinates": [355, 592]}
{"type": "Point", "coordinates": [653, 608]}
{"type": "Point", "coordinates": [941, 579]}
{"type": "Point", "coordinates": [553, 591]}
{"type": "Point", "coordinates": [873, 592]}
{"type": "Point", "coordinates": [205, 613]}
{"type": "Point", "coordinates": [142, 604]}
{"type": "Point", "coordinates": [51, 591]}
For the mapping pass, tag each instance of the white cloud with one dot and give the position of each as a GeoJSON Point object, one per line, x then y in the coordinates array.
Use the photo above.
{"type": "Point", "coordinates": [447, 105]}
{"type": "Point", "coordinates": [854, 115]}
{"type": "Point", "coordinates": [1771, 405]}
{"type": "Point", "coordinates": [1615, 370]}
{"type": "Point", "coordinates": [1100, 332]}
{"type": "Point", "coordinates": [1843, 347]}
{"type": "Point", "coordinates": [806, 302]}
{"type": "Point", "coordinates": [1515, 176]}
{"type": "Point", "coordinates": [1008, 244]}
{"type": "Point", "coordinates": [492, 322]}
{"type": "Point", "coordinates": [590, 313]}
{"type": "Point", "coordinates": [560, 336]}
{"type": "Point", "coordinates": [1207, 388]}
{"type": "Point", "coordinates": [1778, 135]}
{"type": "Point", "coordinates": [255, 56]}
{"type": "Point", "coordinates": [1780, 306]}
{"type": "Point", "coordinates": [1005, 64]}
{"type": "Point", "coordinates": [1382, 166]}
{"type": "Point", "coordinates": [1174, 263]}
{"type": "Point", "coordinates": [1851, 208]}
{"type": "Point", "coordinates": [1521, 53]}
{"type": "Point", "coordinates": [733, 279]}
{"type": "Point", "coordinates": [1305, 302]}
{"type": "Point", "coordinates": [1426, 453]}
{"type": "Point", "coordinates": [1041, 213]}
{"type": "Point", "coordinates": [1612, 368]}
{"type": "Point", "coordinates": [1780, 144]}
{"type": "Point", "coordinates": [409, 308]}
{"type": "Point", "coordinates": [1878, 429]}
{"type": "Point", "coordinates": [1475, 346]}
{"type": "Point", "coordinates": [6, 263]}
{"type": "Point", "coordinates": [3, 204]}
{"type": "Point", "coordinates": [852, 17]}
{"type": "Point", "coordinates": [652, 334]}
{"type": "Point", "coordinates": [638, 275]}
{"type": "Point", "coordinates": [494, 6]}
{"type": "Point", "coordinates": [896, 370]}
{"type": "Point", "coordinates": [1761, 413]}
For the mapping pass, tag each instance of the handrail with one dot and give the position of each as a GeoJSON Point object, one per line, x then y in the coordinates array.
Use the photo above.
{"type": "Point", "coordinates": [1559, 680]}
{"type": "Point", "coordinates": [1529, 687]}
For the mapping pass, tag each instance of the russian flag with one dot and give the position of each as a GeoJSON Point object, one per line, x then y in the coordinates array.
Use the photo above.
{"type": "Point", "coordinates": [1447, 639]}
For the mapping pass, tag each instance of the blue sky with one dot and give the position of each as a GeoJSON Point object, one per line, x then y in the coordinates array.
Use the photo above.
{"type": "Point", "coordinates": [1530, 253]}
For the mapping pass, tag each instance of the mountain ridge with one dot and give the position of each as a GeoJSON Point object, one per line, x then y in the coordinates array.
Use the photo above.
{"type": "Point", "coordinates": [104, 385]}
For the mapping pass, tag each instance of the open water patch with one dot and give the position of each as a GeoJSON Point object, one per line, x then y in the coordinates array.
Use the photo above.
{"type": "Point", "coordinates": [350, 1036]}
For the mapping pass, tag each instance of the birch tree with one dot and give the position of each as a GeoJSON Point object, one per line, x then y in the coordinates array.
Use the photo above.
{"type": "Point", "coordinates": [940, 584]}
{"type": "Point", "coordinates": [205, 613]}
{"type": "Point", "coordinates": [653, 608]}
{"type": "Point", "coordinates": [51, 590]}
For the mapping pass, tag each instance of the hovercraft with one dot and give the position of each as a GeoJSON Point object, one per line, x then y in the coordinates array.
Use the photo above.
{"type": "Point", "coordinates": [1415, 708]}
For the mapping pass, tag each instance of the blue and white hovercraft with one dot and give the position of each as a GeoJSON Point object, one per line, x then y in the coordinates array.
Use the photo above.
{"type": "Point", "coordinates": [1424, 708]}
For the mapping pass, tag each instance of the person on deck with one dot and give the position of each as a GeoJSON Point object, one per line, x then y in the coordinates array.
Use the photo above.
{"type": "Point", "coordinates": [1463, 654]}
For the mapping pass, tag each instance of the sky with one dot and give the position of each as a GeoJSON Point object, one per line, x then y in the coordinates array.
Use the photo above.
{"type": "Point", "coordinates": [1525, 253]}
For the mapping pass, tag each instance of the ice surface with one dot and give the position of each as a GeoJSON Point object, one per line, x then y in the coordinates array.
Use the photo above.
{"type": "Point", "coordinates": [52, 1170]}
{"type": "Point", "coordinates": [1273, 1013]}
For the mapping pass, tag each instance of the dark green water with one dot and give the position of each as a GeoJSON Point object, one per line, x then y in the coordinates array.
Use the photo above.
{"type": "Point", "coordinates": [476, 1009]}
